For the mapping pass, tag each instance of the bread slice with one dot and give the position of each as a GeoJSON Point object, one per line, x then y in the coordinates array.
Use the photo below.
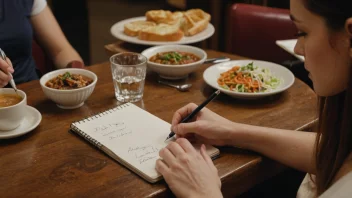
{"type": "Point", "coordinates": [177, 15]}
{"type": "Point", "coordinates": [195, 21]}
{"type": "Point", "coordinates": [161, 32]}
{"type": "Point", "coordinates": [163, 16]}
{"type": "Point", "coordinates": [133, 28]}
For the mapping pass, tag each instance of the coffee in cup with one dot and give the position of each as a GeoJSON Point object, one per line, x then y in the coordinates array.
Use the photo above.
{"type": "Point", "coordinates": [12, 108]}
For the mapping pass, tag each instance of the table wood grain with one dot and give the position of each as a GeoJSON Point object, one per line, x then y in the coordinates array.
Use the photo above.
{"type": "Point", "coordinates": [52, 162]}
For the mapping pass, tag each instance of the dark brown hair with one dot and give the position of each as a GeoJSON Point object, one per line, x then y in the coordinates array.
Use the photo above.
{"type": "Point", "coordinates": [334, 135]}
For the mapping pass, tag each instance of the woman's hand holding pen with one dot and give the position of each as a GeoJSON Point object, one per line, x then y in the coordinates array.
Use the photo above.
{"type": "Point", "coordinates": [187, 172]}
{"type": "Point", "coordinates": [206, 126]}
{"type": "Point", "coordinates": [5, 68]}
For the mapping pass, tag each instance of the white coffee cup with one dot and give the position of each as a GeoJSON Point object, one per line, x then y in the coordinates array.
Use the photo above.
{"type": "Point", "coordinates": [12, 116]}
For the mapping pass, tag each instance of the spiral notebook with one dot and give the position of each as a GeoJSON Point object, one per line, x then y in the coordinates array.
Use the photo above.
{"type": "Point", "coordinates": [131, 136]}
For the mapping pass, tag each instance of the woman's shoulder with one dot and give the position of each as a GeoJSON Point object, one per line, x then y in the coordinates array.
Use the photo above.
{"type": "Point", "coordinates": [341, 188]}
{"type": "Point", "coordinates": [27, 7]}
{"type": "Point", "coordinates": [342, 183]}
{"type": "Point", "coordinates": [38, 6]}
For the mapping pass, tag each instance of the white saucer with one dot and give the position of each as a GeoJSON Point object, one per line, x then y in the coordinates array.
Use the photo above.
{"type": "Point", "coordinates": [31, 121]}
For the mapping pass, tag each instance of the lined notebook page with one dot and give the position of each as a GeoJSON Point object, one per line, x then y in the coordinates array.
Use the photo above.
{"type": "Point", "coordinates": [131, 136]}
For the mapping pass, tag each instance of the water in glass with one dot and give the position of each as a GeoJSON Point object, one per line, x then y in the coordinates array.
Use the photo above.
{"type": "Point", "coordinates": [128, 72]}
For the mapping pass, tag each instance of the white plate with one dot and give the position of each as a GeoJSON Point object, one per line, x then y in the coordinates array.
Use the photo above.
{"type": "Point", "coordinates": [31, 121]}
{"type": "Point", "coordinates": [117, 31]}
{"type": "Point", "coordinates": [289, 46]}
{"type": "Point", "coordinates": [212, 74]}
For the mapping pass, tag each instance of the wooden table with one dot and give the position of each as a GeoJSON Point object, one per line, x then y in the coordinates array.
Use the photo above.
{"type": "Point", "coordinates": [51, 162]}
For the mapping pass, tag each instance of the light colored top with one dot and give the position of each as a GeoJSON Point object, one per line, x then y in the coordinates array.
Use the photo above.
{"type": "Point", "coordinates": [38, 7]}
{"type": "Point", "coordinates": [307, 188]}
{"type": "Point", "coordinates": [342, 188]}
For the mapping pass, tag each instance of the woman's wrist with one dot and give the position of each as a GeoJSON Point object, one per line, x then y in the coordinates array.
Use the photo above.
{"type": "Point", "coordinates": [242, 135]}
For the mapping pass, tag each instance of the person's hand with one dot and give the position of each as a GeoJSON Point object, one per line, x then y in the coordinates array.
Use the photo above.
{"type": "Point", "coordinates": [187, 172]}
{"type": "Point", "coordinates": [75, 64]}
{"type": "Point", "coordinates": [5, 67]}
{"type": "Point", "coordinates": [206, 126]}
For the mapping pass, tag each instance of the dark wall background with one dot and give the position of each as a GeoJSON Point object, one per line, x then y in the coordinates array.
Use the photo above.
{"type": "Point", "coordinates": [72, 16]}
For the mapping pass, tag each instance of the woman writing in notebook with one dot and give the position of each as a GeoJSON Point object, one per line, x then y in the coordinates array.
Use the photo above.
{"type": "Point", "coordinates": [325, 39]}
{"type": "Point", "coordinates": [20, 21]}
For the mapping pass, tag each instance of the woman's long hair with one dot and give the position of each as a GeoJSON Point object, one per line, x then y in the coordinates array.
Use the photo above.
{"type": "Point", "coordinates": [334, 135]}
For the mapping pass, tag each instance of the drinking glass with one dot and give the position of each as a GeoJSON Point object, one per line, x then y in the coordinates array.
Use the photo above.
{"type": "Point", "coordinates": [128, 73]}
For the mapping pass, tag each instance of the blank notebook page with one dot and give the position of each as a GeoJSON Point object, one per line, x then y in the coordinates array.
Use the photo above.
{"type": "Point", "coordinates": [131, 136]}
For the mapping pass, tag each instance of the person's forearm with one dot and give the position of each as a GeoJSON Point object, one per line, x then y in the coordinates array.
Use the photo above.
{"type": "Point", "coordinates": [64, 57]}
{"type": "Point", "coordinates": [50, 37]}
{"type": "Point", "coordinates": [292, 148]}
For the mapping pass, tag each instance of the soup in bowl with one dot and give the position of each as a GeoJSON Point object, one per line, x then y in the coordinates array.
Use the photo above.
{"type": "Point", "coordinates": [174, 61]}
{"type": "Point", "coordinates": [12, 108]}
{"type": "Point", "coordinates": [174, 58]}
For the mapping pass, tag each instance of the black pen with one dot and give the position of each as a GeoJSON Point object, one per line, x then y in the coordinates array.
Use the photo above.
{"type": "Point", "coordinates": [195, 111]}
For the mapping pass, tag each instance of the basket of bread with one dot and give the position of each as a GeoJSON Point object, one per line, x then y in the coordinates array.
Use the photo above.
{"type": "Point", "coordinates": [163, 25]}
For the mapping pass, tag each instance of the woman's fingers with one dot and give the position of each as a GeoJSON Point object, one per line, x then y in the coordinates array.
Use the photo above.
{"type": "Point", "coordinates": [5, 68]}
{"type": "Point", "coordinates": [3, 65]}
{"type": "Point", "coordinates": [191, 127]}
{"type": "Point", "coordinates": [167, 156]}
{"type": "Point", "coordinates": [3, 83]}
{"type": "Point", "coordinates": [175, 149]}
{"type": "Point", "coordinates": [182, 113]}
{"type": "Point", "coordinates": [4, 77]}
{"type": "Point", "coordinates": [161, 167]}
{"type": "Point", "coordinates": [186, 145]}
{"type": "Point", "coordinates": [10, 68]}
{"type": "Point", "coordinates": [203, 152]}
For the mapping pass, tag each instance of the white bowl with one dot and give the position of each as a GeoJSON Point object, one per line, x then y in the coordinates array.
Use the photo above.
{"type": "Point", "coordinates": [212, 74]}
{"type": "Point", "coordinates": [68, 99]}
{"type": "Point", "coordinates": [174, 71]}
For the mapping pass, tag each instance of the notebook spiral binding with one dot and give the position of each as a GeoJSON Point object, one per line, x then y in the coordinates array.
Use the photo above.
{"type": "Point", "coordinates": [85, 136]}
{"type": "Point", "coordinates": [92, 117]}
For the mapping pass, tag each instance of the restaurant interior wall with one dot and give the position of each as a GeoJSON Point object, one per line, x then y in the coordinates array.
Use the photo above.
{"type": "Point", "coordinates": [87, 23]}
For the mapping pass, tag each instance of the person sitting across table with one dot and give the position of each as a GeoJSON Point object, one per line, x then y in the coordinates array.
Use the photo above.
{"type": "Point", "coordinates": [19, 21]}
{"type": "Point", "coordinates": [325, 39]}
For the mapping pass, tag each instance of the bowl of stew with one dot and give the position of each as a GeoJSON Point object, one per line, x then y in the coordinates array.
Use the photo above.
{"type": "Point", "coordinates": [70, 87]}
{"type": "Point", "coordinates": [174, 61]}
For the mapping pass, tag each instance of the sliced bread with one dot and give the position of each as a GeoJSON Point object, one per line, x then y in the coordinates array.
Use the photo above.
{"type": "Point", "coordinates": [163, 16]}
{"type": "Point", "coordinates": [195, 21]}
{"type": "Point", "coordinates": [133, 28]}
{"type": "Point", "coordinates": [161, 32]}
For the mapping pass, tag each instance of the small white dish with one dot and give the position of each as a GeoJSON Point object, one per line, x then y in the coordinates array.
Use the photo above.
{"type": "Point", "coordinates": [32, 119]}
{"type": "Point", "coordinates": [212, 74]}
{"type": "Point", "coordinates": [174, 72]}
{"type": "Point", "coordinates": [68, 99]}
{"type": "Point", "coordinates": [118, 28]}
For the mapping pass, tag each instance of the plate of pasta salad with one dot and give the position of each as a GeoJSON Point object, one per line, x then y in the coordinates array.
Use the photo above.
{"type": "Point", "coordinates": [249, 78]}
